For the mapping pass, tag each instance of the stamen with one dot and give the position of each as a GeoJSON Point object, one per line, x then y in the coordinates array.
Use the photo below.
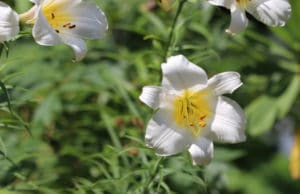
{"type": "Point", "coordinates": [73, 26]}
{"type": "Point", "coordinates": [52, 16]}
{"type": "Point", "coordinates": [66, 25]}
{"type": "Point", "coordinates": [202, 123]}
{"type": "Point", "coordinates": [191, 110]}
{"type": "Point", "coordinates": [243, 3]}
{"type": "Point", "coordinates": [203, 117]}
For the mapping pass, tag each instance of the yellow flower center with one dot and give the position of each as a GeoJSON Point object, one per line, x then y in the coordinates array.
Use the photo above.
{"type": "Point", "coordinates": [192, 110]}
{"type": "Point", "coordinates": [56, 16]}
{"type": "Point", "coordinates": [243, 3]}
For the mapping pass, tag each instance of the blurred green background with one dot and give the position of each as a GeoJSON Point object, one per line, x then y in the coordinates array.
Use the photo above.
{"type": "Point", "coordinates": [79, 128]}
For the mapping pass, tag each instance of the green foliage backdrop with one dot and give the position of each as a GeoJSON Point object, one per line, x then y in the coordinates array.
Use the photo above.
{"type": "Point", "coordinates": [79, 127]}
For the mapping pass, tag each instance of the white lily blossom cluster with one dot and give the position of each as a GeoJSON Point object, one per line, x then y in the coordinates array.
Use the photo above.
{"type": "Point", "coordinates": [55, 22]}
{"type": "Point", "coordinates": [270, 12]}
{"type": "Point", "coordinates": [66, 21]}
{"type": "Point", "coordinates": [191, 112]}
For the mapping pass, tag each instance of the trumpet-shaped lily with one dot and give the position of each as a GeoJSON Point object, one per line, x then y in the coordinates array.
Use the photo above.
{"type": "Point", "coordinates": [191, 112]}
{"type": "Point", "coordinates": [65, 21]}
{"type": "Point", "coordinates": [9, 23]}
{"type": "Point", "coordinates": [270, 12]}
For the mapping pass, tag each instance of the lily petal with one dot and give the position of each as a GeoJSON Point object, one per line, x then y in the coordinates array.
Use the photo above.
{"type": "Point", "coordinates": [229, 122]}
{"type": "Point", "coordinates": [270, 12]}
{"type": "Point", "coordinates": [238, 21]}
{"type": "Point", "coordinates": [224, 83]}
{"type": "Point", "coordinates": [90, 21]}
{"type": "Point", "coordinates": [179, 74]}
{"type": "Point", "coordinates": [163, 137]}
{"type": "Point", "coordinates": [77, 44]}
{"type": "Point", "coordinates": [202, 151]}
{"type": "Point", "coordinates": [43, 32]}
{"type": "Point", "coordinates": [151, 96]}
{"type": "Point", "coordinates": [223, 3]}
{"type": "Point", "coordinates": [9, 23]}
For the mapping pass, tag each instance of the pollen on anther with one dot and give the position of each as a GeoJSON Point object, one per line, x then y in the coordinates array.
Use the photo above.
{"type": "Point", "coordinates": [202, 117]}
{"type": "Point", "coordinates": [202, 123]}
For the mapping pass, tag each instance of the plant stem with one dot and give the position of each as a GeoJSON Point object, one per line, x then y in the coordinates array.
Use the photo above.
{"type": "Point", "coordinates": [154, 172]}
{"type": "Point", "coordinates": [178, 12]}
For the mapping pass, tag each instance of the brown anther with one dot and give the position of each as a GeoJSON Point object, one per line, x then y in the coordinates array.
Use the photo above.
{"type": "Point", "coordinates": [66, 25]}
{"type": "Point", "coordinates": [73, 26]}
{"type": "Point", "coordinates": [57, 31]}
{"type": "Point", "coordinates": [52, 16]}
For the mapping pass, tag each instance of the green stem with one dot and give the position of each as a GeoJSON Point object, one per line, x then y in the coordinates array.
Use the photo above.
{"type": "Point", "coordinates": [178, 12]}
{"type": "Point", "coordinates": [154, 172]}
{"type": "Point", "coordinates": [113, 135]}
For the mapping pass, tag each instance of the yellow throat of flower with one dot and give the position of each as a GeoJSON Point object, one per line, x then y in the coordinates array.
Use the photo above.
{"type": "Point", "coordinates": [192, 110]}
{"type": "Point", "coordinates": [243, 3]}
{"type": "Point", "coordinates": [56, 16]}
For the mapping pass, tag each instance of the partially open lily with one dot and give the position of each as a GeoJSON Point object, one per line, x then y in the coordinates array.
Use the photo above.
{"type": "Point", "coordinates": [270, 12]}
{"type": "Point", "coordinates": [191, 111]}
{"type": "Point", "coordinates": [9, 23]}
{"type": "Point", "coordinates": [65, 21]}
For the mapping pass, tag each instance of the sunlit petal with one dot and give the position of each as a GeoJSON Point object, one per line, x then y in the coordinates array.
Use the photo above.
{"type": "Point", "coordinates": [270, 12]}
{"type": "Point", "coordinates": [229, 122]}
{"type": "Point", "coordinates": [224, 83]}
{"type": "Point", "coordinates": [202, 151]}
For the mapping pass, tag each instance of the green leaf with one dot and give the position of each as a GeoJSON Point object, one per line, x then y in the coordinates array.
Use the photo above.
{"type": "Point", "coordinates": [287, 99]}
{"type": "Point", "coordinates": [261, 115]}
{"type": "Point", "coordinates": [4, 191]}
{"type": "Point", "coordinates": [49, 109]}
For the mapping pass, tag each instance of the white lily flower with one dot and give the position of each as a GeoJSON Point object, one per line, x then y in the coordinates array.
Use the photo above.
{"type": "Point", "coordinates": [9, 23]}
{"type": "Point", "coordinates": [191, 111]}
{"type": "Point", "coordinates": [65, 21]}
{"type": "Point", "coordinates": [270, 12]}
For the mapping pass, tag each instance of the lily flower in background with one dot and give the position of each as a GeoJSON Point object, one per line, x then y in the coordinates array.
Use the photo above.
{"type": "Point", "coordinates": [191, 111]}
{"type": "Point", "coordinates": [269, 12]}
{"type": "Point", "coordinates": [9, 23]}
{"type": "Point", "coordinates": [65, 21]}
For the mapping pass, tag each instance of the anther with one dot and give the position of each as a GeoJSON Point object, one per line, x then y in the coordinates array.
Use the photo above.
{"type": "Point", "coordinates": [52, 16]}
{"type": "Point", "coordinates": [73, 26]}
{"type": "Point", "coordinates": [202, 124]}
{"type": "Point", "coordinates": [202, 117]}
{"type": "Point", "coordinates": [66, 25]}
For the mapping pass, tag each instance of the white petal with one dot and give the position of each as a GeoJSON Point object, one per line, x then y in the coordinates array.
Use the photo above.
{"type": "Point", "coordinates": [238, 21]}
{"type": "Point", "coordinates": [202, 151]}
{"type": "Point", "coordinates": [37, 1]}
{"type": "Point", "coordinates": [9, 23]}
{"type": "Point", "coordinates": [223, 3]}
{"type": "Point", "coordinates": [151, 96]}
{"type": "Point", "coordinates": [77, 44]}
{"type": "Point", "coordinates": [164, 137]}
{"type": "Point", "coordinates": [228, 123]}
{"type": "Point", "coordinates": [90, 21]}
{"type": "Point", "coordinates": [43, 32]}
{"type": "Point", "coordinates": [270, 12]}
{"type": "Point", "coordinates": [180, 74]}
{"type": "Point", "coordinates": [224, 83]}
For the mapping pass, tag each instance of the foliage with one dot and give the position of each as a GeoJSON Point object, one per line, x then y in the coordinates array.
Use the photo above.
{"type": "Point", "coordinates": [79, 127]}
